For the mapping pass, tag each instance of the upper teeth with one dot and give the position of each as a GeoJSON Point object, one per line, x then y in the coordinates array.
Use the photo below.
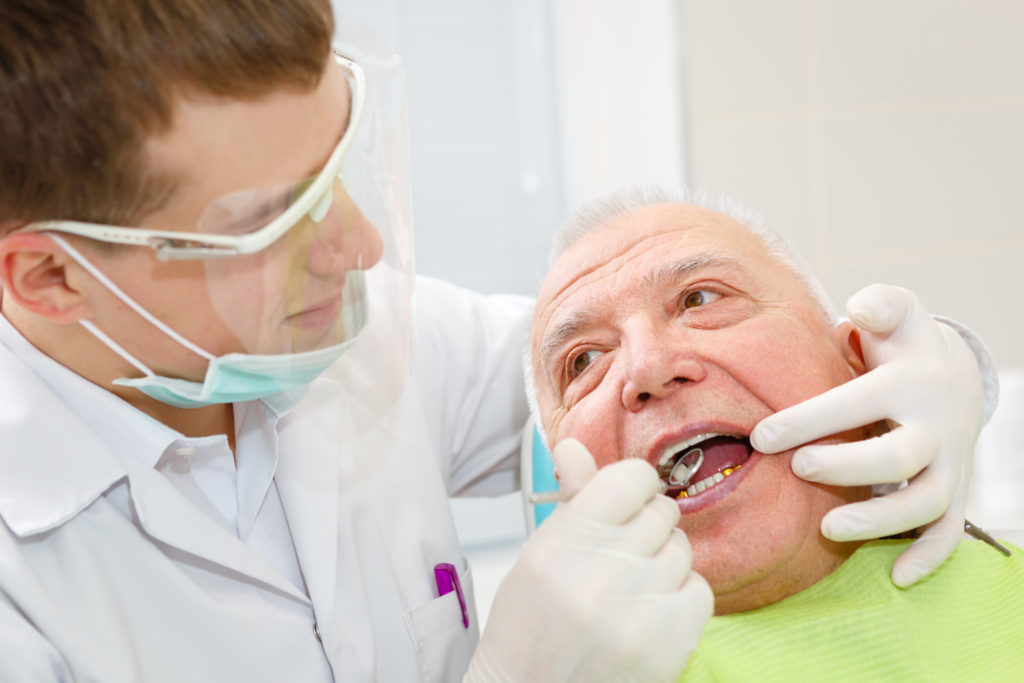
{"type": "Point", "coordinates": [683, 471]}
{"type": "Point", "coordinates": [683, 445]}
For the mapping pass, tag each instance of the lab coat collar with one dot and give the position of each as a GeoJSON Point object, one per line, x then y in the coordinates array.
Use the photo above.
{"type": "Point", "coordinates": [127, 431]}
{"type": "Point", "coordinates": [49, 474]}
{"type": "Point", "coordinates": [54, 466]}
{"type": "Point", "coordinates": [65, 439]}
{"type": "Point", "coordinates": [169, 517]}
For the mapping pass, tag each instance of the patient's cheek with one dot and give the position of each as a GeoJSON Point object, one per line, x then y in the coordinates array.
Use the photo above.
{"type": "Point", "coordinates": [593, 433]}
{"type": "Point", "coordinates": [792, 363]}
{"type": "Point", "coordinates": [603, 455]}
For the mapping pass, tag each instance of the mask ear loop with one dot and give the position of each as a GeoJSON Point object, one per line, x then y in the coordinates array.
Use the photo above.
{"type": "Point", "coordinates": [116, 291]}
{"type": "Point", "coordinates": [115, 347]}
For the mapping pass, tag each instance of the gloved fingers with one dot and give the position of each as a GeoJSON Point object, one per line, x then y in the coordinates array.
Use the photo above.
{"type": "Point", "coordinates": [617, 492]}
{"type": "Point", "coordinates": [936, 353]}
{"type": "Point", "coordinates": [681, 615]}
{"type": "Point", "coordinates": [883, 308]}
{"type": "Point", "coordinates": [669, 567]}
{"type": "Point", "coordinates": [574, 464]}
{"type": "Point", "coordinates": [930, 550]}
{"type": "Point", "coordinates": [699, 599]}
{"type": "Point", "coordinates": [641, 537]}
{"type": "Point", "coordinates": [674, 619]}
{"type": "Point", "coordinates": [862, 401]}
{"type": "Point", "coordinates": [894, 456]}
{"type": "Point", "coordinates": [922, 501]}
{"type": "Point", "coordinates": [649, 530]}
{"type": "Point", "coordinates": [681, 620]}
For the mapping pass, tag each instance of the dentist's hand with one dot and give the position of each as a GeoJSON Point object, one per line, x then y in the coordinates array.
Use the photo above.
{"type": "Point", "coordinates": [603, 590]}
{"type": "Point", "coordinates": [924, 380]}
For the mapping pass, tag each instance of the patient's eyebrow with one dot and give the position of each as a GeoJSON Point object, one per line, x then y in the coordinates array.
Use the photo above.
{"type": "Point", "coordinates": [673, 272]}
{"type": "Point", "coordinates": [566, 328]}
{"type": "Point", "coordinates": [575, 321]}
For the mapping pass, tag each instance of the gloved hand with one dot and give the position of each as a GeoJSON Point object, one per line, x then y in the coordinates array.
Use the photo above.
{"type": "Point", "coordinates": [924, 380]}
{"type": "Point", "coordinates": [603, 590]}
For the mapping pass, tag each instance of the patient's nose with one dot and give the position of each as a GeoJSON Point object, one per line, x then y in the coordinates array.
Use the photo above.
{"type": "Point", "coordinates": [658, 364]}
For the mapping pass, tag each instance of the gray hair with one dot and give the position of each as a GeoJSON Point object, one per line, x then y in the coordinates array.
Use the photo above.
{"type": "Point", "coordinates": [604, 210]}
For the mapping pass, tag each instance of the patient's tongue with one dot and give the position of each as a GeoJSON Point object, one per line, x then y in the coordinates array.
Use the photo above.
{"type": "Point", "coordinates": [719, 453]}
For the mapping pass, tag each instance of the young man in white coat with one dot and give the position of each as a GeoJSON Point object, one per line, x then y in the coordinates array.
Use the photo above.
{"type": "Point", "coordinates": [224, 454]}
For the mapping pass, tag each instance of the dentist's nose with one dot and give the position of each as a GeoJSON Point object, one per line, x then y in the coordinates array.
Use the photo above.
{"type": "Point", "coordinates": [658, 363]}
{"type": "Point", "coordinates": [344, 239]}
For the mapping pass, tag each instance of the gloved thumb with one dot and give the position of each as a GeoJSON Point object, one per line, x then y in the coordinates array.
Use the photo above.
{"type": "Point", "coordinates": [574, 465]}
{"type": "Point", "coordinates": [880, 308]}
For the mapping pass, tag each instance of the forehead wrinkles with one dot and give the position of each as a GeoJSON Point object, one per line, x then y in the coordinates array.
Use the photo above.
{"type": "Point", "coordinates": [602, 260]}
{"type": "Point", "coordinates": [647, 283]}
{"type": "Point", "coordinates": [672, 272]}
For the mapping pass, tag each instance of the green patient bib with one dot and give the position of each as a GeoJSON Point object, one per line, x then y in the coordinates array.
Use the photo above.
{"type": "Point", "coordinates": [965, 622]}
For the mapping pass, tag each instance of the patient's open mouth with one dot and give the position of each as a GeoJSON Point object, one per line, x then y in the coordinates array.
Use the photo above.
{"type": "Point", "coordinates": [701, 462]}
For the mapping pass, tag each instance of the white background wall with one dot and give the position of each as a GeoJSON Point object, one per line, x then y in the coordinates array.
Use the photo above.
{"type": "Point", "coordinates": [520, 112]}
{"type": "Point", "coordinates": [486, 164]}
{"type": "Point", "coordinates": [883, 137]}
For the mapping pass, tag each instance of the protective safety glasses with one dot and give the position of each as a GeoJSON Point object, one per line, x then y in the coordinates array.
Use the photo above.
{"type": "Point", "coordinates": [232, 225]}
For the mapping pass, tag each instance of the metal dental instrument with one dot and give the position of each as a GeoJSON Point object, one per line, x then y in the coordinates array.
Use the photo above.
{"type": "Point", "coordinates": [549, 497]}
{"type": "Point", "coordinates": [688, 470]}
{"type": "Point", "coordinates": [982, 535]}
{"type": "Point", "coordinates": [561, 496]}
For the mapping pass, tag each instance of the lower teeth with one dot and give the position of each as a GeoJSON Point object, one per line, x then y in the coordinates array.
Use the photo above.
{"type": "Point", "coordinates": [705, 484]}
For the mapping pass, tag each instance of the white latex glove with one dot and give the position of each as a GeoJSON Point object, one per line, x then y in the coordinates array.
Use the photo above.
{"type": "Point", "coordinates": [924, 380]}
{"type": "Point", "coordinates": [602, 591]}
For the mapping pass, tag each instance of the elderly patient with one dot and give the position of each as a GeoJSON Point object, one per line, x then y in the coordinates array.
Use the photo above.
{"type": "Point", "coordinates": [666, 331]}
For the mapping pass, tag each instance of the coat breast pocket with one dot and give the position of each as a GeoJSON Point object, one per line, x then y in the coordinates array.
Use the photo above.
{"type": "Point", "coordinates": [444, 644]}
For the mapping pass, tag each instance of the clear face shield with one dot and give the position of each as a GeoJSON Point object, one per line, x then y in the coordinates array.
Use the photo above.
{"type": "Point", "coordinates": [374, 372]}
{"type": "Point", "coordinates": [310, 274]}
{"type": "Point", "coordinates": [290, 276]}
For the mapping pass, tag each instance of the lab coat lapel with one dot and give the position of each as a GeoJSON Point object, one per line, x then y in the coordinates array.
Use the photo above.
{"type": "Point", "coordinates": [53, 465]}
{"type": "Point", "coordinates": [169, 517]}
{"type": "Point", "coordinates": [56, 466]}
{"type": "Point", "coordinates": [309, 445]}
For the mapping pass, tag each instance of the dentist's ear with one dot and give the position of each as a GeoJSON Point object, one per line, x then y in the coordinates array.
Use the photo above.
{"type": "Point", "coordinates": [847, 339]}
{"type": "Point", "coordinates": [33, 275]}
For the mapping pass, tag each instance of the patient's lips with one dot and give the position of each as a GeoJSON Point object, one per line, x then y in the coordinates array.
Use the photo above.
{"type": "Point", "coordinates": [723, 455]}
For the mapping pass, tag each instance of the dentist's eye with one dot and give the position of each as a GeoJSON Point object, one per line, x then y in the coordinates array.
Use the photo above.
{"type": "Point", "coordinates": [699, 297]}
{"type": "Point", "coordinates": [583, 361]}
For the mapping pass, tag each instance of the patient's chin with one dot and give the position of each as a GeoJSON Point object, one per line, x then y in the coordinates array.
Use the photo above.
{"type": "Point", "coordinates": [763, 543]}
{"type": "Point", "coordinates": [742, 588]}
{"type": "Point", "coordinates": [743, 600]}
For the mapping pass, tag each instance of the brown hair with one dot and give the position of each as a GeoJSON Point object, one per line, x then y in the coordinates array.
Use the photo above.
{"type": "Point", "coordinates": [83, 84]}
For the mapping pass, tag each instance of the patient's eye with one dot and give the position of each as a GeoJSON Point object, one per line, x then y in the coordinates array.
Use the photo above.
{"type": "Point", "coordinates": [582, 362]}
{"type": "Point", "coordinates": [699, 297]}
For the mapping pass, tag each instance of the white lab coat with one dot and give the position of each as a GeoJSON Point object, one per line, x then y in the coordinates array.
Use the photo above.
{"type": "Point", "coordinates": [90, 594]}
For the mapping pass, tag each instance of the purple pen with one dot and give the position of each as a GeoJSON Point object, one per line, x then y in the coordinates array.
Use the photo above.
{"type": "Point", "coordinates": [447, 578]}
